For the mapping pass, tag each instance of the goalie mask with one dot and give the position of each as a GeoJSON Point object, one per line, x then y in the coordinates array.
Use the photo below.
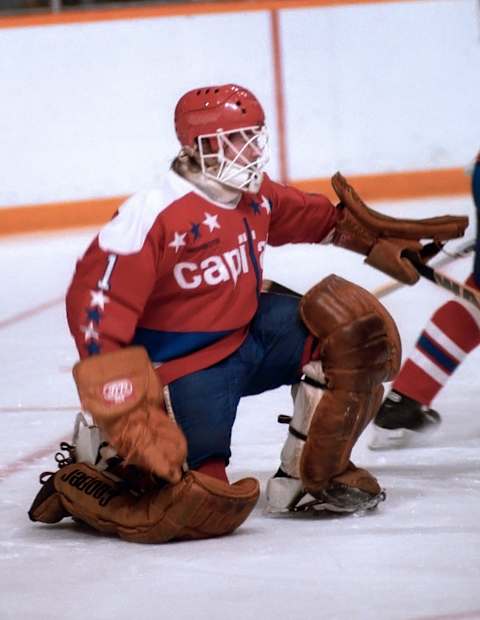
{"type": "Point", "coordinates": [227, 125]}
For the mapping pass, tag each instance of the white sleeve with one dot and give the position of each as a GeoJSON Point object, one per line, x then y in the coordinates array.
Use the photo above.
{"type": "Point", "coordinates": [126, 233]}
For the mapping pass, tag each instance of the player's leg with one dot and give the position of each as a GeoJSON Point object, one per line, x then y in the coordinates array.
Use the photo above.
{"type": "Point", "coordinates": [451, 334]}
{"type": "Point", "coordinates": [204, 404]}
{"type": "Point", "coordinates": [282, 345]}
{"type": "Point", "coordinates": [332, 409]}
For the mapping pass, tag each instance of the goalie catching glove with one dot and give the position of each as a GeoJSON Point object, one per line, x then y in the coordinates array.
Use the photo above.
{"type": "Point", "coordinates": [383, 239]}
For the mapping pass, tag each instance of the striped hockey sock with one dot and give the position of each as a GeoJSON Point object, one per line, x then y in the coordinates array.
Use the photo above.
{"type": "Point", "coordinates": [452, 332]}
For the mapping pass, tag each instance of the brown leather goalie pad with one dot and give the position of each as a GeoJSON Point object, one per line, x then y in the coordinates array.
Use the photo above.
{"type": "Point", "coordinates": [198, 506]}
{"type": "Point", "coordinates": [359, 349]}
{"type": "Point", "coordinates": [124, 396]}
{"type": "Point", "coordinates": [382, 239]}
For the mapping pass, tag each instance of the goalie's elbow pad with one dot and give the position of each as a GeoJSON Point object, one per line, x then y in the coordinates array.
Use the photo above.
{"type": "Point", "coordinates": [359, 349]}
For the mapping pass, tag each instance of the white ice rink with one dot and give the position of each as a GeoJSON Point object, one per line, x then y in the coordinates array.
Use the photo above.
{"type": "Point", "coordinates": [417, 557]}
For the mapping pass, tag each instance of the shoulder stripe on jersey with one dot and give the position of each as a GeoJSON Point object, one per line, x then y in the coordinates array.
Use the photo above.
{"type": "Point", "coordinates": [126, 233]}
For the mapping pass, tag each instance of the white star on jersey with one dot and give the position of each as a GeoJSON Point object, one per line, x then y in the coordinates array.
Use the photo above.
{"type": "Point", "coordinates": [265, 204]}
{"type": "Point", "coordinates": [98, 298]}
{"type": "Point", "coordinates": [178, 241]}
{"type": "Point", "coordinates": [90, 332]}
{"type": "Point", "coordinates": [211, 221]}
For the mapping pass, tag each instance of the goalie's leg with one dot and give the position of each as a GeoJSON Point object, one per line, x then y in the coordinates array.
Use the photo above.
{"type": "Point", "coordinates": [359, 348]}
{"type": "Point", "coordinates": [285, 490]}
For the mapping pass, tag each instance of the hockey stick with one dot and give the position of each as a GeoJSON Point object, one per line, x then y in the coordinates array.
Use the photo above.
{"type": "Point", "coordinates": [457, 288]}
{"type": "Point", "coordinates": [390, 287]}
{"type": "Point", "coordinates": [460, 290]}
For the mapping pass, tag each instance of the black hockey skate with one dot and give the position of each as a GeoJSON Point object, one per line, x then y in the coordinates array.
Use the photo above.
{"type": "Point", "coordinates": [399, 421]}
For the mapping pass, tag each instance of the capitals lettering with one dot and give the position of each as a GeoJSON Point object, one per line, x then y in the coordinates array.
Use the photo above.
{"type": "Point", "coordinates": [216, 269]}
{"type": "Point", "coordinates": [98, 488]}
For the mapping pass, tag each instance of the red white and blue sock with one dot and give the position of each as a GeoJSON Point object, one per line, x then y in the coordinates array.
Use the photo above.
{"type": "Point", "coordinates": [451, 334]}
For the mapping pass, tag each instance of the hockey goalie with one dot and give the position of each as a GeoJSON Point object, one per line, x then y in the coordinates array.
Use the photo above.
{"type": "Point", "coordinates": [173, 328]}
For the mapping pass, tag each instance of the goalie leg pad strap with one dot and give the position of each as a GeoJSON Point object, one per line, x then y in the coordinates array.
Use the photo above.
{"type": "Point", "coordinates": [306, 400]}
{"type": "Point", "coordinates": [285, 487]}
{"type": "Point", "coordinates": [198, 506]}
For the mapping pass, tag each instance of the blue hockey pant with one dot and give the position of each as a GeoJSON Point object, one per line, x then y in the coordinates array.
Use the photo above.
{"type": "Point", "coordinates": [205, 402]}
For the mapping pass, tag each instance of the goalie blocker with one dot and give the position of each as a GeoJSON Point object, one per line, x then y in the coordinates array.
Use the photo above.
{"type": "Point", "coordinates": [198, 506]}
{"type": "Point", "coordinates": [359, 349]}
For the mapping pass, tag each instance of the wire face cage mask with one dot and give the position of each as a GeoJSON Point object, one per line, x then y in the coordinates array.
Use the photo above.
{"type": "Point", "coordinates": [236, 157]}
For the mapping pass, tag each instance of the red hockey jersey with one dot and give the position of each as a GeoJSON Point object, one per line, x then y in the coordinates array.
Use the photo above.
{"type": "Point", "coordinates": [180, 274]}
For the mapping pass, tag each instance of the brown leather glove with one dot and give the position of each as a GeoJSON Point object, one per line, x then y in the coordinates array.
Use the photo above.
{"type": "Point", "coordinates": [198, 506]}
{"type": "Point", "coordinates": [122, 393]}
{"type": "Point", "coordinates": [382, 239]}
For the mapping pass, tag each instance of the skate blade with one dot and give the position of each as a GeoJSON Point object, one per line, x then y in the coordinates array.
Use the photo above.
{"type": "Point", "coordinates": [325, 505]}
{"type": "Point", "coordinates": [391, 439]}
{"type": "Point", "coordinates": [312, 505]}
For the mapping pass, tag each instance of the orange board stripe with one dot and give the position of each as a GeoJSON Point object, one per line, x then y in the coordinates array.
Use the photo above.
{"type": "Point", "coordinates": [398, 185]}
{"type": "Point", "coordinates": [144, 12]}
{"type": "Point", "coordinates": [59, 215]}
{"type": "Point", "coordinates": [95, 212]}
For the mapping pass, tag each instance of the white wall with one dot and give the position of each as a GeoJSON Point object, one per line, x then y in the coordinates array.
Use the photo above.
{"type": "Point", "coordinates": [89, 107]}
{"type": "Point", "coordinates": [86, 109]}
{"type": "Point", "coordinates": [382, 87]}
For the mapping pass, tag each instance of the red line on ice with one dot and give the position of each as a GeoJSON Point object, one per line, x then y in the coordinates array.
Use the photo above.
{"type": "Point", "coordinates": [30, 408]}
{"type": "Point", "coordinates": [26, 314]}
{"type": "Point", "coordinates": [24, 462]}
{"type": "Point", "coordinates": [466, 615]}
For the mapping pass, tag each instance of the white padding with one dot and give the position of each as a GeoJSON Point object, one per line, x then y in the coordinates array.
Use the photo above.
{"type": "Point", "coordinates": [306, 400]}
{"type": "Point", "coordinates": [90, 444]}
{"type": "Point", "coordinates": [282, 493]}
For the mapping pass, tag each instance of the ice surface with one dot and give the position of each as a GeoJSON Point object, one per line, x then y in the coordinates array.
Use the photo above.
{"type": "Point", "coordinates": [417, 557]}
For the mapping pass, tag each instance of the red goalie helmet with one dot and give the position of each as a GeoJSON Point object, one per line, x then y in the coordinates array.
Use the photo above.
{"type": "Point", "coordinates": [206, 110]}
